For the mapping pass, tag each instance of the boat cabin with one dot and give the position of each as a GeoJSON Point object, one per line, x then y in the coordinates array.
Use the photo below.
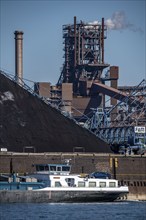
{"type": "Point", "coordinates": [58, 175]}
{"type": "Point", "coordinates": [56, 169]}
{"type": "Point", "coordinates": [78, 181]}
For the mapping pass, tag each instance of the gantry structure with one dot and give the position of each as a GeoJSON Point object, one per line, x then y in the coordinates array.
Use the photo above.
{"type": "Point", "coordinates": [128, 126]}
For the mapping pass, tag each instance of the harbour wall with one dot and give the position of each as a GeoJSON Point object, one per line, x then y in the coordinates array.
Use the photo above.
{"type": "Point", "coordinates": [129, 170]}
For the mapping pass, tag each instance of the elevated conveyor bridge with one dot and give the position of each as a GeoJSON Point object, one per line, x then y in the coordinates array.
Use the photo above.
{"type": "Point", "coordinates": [129, 124]}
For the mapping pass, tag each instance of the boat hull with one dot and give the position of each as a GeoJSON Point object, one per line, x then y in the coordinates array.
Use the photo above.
{"type": "Point", "coordinates": [56, 196]}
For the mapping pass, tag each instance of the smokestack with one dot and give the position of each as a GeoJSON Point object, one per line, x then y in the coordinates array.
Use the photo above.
{"type": "Point", "coordinates": [18, 56]}
{"type": "Point", "coordinates": [75, 22]}
{"type": "Point", "coordinates": [102, 40]}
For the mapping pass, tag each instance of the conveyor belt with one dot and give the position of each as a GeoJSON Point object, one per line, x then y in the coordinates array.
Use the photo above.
{"type": "Point", "coordinates": [115, 93]}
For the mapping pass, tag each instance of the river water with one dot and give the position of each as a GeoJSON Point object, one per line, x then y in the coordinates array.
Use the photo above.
{"type": "Point", "coordinates": [74, 211]}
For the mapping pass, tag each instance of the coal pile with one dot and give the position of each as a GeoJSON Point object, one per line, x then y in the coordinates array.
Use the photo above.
{"type": "Point", "coordinates": [26, 122]}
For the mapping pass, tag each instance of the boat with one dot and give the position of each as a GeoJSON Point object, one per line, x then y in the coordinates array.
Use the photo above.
{"type": "Point", "coordinates": [54, 183]}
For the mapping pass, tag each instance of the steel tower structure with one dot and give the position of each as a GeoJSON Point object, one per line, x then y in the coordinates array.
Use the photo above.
{"type": "Point", "coordinates": [84, 54]}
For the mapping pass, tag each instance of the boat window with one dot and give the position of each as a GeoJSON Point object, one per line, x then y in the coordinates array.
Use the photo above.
{"type": "Point", "coordinates": [92, 184]}
{"type": "Point", "coordinates": [37, 168]}
{"type": "Point", "coordinates": [112, 184]}
{"type": "Point", "coordinates": [70, 181]}
{"type": "Point", "coordinates": [46, 167]}
{"type": "Point", "coordinates": [65, 168]}
{"type": "Point", "coordinates": [81, 184]}
{"type": "Point", "coordinates": [58, 168]}
{"type": "Point", "coordinates": [40, 167]}
{"type": "Point", "coordinates": [57, 184]}
{"type": "Point", "coordinates": [102, 184]}
{"type": "Point", "coordinates": [52, 168]}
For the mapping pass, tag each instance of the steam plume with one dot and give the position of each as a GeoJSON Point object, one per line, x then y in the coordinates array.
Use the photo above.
{"type": "Point", "coordinates": [118, 21]}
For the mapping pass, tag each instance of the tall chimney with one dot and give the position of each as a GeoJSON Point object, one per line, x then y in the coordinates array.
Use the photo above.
{"type": "Point", "coordinates": [18, 56]}
{"type": "Point", "coordinates": [75, 41]}
{"type": "Point", "coordinates": [102, 38]}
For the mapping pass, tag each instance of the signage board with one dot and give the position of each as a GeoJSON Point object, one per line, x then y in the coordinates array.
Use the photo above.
{"type": "Point", "coordinates": [140, 129]}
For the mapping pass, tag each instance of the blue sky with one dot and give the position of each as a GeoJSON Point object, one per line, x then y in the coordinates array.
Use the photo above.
{"type": "Point", "coordinates": [42, 20]}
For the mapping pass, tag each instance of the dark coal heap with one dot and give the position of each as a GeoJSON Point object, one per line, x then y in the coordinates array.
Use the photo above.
{"type": "Point", "coordinates": [26, 121]}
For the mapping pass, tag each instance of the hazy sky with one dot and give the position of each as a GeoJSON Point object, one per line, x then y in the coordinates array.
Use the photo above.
{"type": "Point", "coordinates": [42, 20]}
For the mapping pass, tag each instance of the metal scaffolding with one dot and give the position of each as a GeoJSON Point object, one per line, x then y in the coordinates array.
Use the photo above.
{"type": "Point", "coordinates": [83, 53]}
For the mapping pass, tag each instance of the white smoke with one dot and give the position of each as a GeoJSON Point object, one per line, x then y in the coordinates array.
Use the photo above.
{"type": "Point", "coordinates": [118, 21]}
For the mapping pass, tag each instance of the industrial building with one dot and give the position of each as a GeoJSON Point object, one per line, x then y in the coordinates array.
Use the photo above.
{"type": "Point", "coordinates": [79, 117]}
{"type": "Point", "coordinates": [82, 71]}
{"type": "Point", "coordinates": [113, 113]}
{"type": "Point", "coordinates": [116, 115]}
